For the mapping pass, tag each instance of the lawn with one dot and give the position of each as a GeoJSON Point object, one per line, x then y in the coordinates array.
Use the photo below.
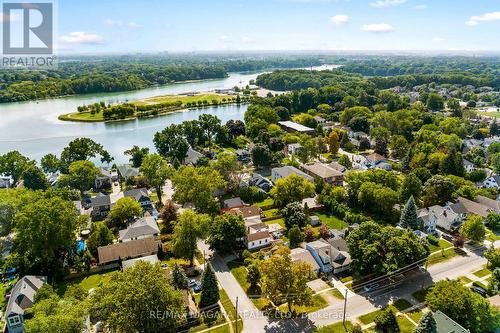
{"type": "Point", "coordinates": [265, 203]}
{"type": "Point", "coordinates": [331, 221]}
{"type": "Point", "coordinates": [4, 290]}
{"type": "Point", "coordinates": [443, 244]}
{"type": "Point", "coordinates": [280, 221]}
{"type": "Point", "coordinates": [402, 304]}
{"type": "Point", "coordinates": [464, 280]}
{"type": "Point", "coordinates": [490, 114]}
{"type": "Point", "coordinates": [442, 256]}
{"type": "Point", "coordinates": [87, 283]}
{"type": "Point", "coordinates": [182, 98]}
{"type": "Point", "coordinates": [335, 328]}
{"type": "Point", "coordinates": [420, 294]}
{"type": "Point", "coordinates": [415, 315]}
{"type": "Point", "coordinates": [405, 325]}
{"type": "Point", "coordinates": [230, 309]}
{"type": "Point", "coordinates": [336, 293]}
{"type": "Point", "coordinates": [240, 274]}
{"type": "Point", "coordinates": [370, 317]}
{"type": "Point", "coordinates": [272, 212]}
{"type": "Point", "coordinates": [318, 302]}
{"type": "Point", "coordinates": [482, 273]}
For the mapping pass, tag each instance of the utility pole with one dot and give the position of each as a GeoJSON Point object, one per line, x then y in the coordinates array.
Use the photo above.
{"type": "Point", "coordinates": [236, 310]}
{"type": "Point", "coordinates": [345, 306]}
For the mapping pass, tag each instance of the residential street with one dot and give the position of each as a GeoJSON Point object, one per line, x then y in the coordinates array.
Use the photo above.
{"type": "Point", "coordinates": [255, 321]}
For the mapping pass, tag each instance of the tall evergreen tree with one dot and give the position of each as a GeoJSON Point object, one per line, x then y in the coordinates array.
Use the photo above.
{"type": "Point", "coordinates": [409, 218]}
{"type": "Point", "coordinates": [179, 278]}
{"type": "Point", "coordinates": [210, 289]}
{"type": "Point", "coordinates": [427, 324]}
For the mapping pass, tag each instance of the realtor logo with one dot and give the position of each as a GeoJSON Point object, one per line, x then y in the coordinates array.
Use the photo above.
{"type": "Point", "coordinates": [27, 28]}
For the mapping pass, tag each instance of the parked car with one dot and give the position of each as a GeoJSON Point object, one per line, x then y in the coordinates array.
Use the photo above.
{"type": "Point", "coordinates": [197, 287]}
{"type": "Point", "coordinates": [192, 283]}
{"type": "Point", "coordinates": [479, 290]}
{"type": "Point", "coordinates": [370, 287]}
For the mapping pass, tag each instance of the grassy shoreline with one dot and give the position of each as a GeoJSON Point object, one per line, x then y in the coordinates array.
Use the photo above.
{"type": "Point", "coordinates": [187, 102]}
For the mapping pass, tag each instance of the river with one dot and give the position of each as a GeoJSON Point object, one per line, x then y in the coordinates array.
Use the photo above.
{"type": "Point", "coordinates": [34, 129]}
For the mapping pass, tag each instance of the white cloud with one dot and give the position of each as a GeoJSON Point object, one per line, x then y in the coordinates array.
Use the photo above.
{"type": "Point", "coordinates": [378, 28]}
{"type": "Point", "coordinates": [339, 19]}
{"type": "Point", "coordinates": [387, 3]}
{"type": "Point", "coordinates": [121, 24]}
{"type": "Point", "coordinates": [474, 20]}
{"type": "Point", "coordinates": [421, 7]}
{"type": "Point", "coordinates": [80, 37]}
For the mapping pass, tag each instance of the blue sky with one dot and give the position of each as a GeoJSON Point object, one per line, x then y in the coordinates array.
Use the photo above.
{"type": "Point", "coordinates": [197, 25]}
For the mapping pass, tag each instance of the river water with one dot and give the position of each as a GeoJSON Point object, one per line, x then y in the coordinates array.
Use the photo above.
{"type": "Point", "coordinates": [33, 128]}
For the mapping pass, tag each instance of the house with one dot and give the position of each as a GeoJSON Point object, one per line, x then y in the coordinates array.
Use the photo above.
{"type": "Point", "coordinates": [258, 235]}
{"type": "Point", "coordinates": [287, 170]}
{"type": "Point", "coordinates": [153, 259]}
{"type": "Point", "coordinates": [192, 157]}
{"type": "Point", "coordinates": [246, 212]}
{"type": "Point", "coordinates": [140, 195]}
{"type": "Point", "coordinates": [324, 172]}
{"type": "Point", "coordinates": [232, 203]}
{"type": "Point", "coordinates": [293, 148]}
{"type": "Point", "coordinates": [6, 181]}
{"type": "Point", "coordinates": [21, 298]}
{"type": "Point", "coordinates": [140, 228]}
{"type": "Point", "coordinates": [53, 178]}
{"type": "Point", "coordinates": [303, 255]}
{"type": "Point", "coordinates": [319, 120]}
{"type": "Point", "coordinates": [338, 167]}
{"type": "Point", "coordinates": [311, 204]}
{"type": "Point", "coordinates": [125, 172]}
{"type": "Point", "coordinates": [258, 181]}
{"type": "Point", "coordinates": [384, 166]}
{"type": "Point", "coordinates": [105, 179]}
{"type": "Point", "coordinates": [293, 127]}
{"type": "Point", "coordinates": [331, 256]}
{"type": "Point", "coordinates": [445, 324]}
{"type": "Point", "coordinates": [438, 216]}
{"type": "Point", "coordinates": [493, 181]}
{"type": "Point", "coordinates": [468, 166]}
{"type": "Point", "coordinates": [314, 221]}
{"type": "Point", "coordinates": [466, 207]}
{"type": "Point", "coordinates": [243, 155]}
{"type": "Point", "coordinates": [494, 205]}
{"type": "Point", "coordinates": [127, 250]}
{"type": "Point", "coordinates": [375, 158]}
{"type": "Point", "coordinates": [101, 205]}
{"type": "Point", "coordinates": [359, 161]}
{"type": "Point", "coordinates": [468, 144]}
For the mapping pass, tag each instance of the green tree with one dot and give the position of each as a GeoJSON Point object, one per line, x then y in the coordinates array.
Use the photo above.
{"type": "Point", "coordinates": [156, 169]}
{"type": "Point", "coordinates": [473, 229]}
{"type": "Point", "coordinates": [290, 189]}
{"type": "Point", "coordinates": [261, 155]}
{"type": "Point", "coordinates": [493, 256]}
{"type": "Point", "coordinates": [386, 322]}
{"type": "Point", "coordinates": [81, 149]}
{"type": "Point", "coordinates": [189, 229]}
{"type": "Point", "coordinates": [455, 108]}
{"type": "Point", "coordinates": [197, 185]}
{"type": "Point", "coordinates": [45, 218]}
{"type": "Point", "coordinates": [427, 324]}
{"type": "Point", "coordinates": [179, 278]}
{"type": "Point", "coordinates": [210, 289]}
{"type": "Point", "coordinates": [210, 125]}
{"type": "Point", "coordinates": [34, 178]}
{"type": "Point", "coordinates": [294, 215]}
{"type": "Point", "coordinates": [284, 280]}
{"type": "Point", "coordinates": [345, 161]}
{"type": "Point", "coordinates": [123, 212]}
{"type": "Point", "coordinates": [437, 191]}
{"type": "Point", "coordinates": [398, 146]}
{"type": "Point", "coordinates": [50, 163]}
{"type": "Point", "coordinates": [463, 306]}
{"type": "Point", "coordinates": [333, 142]}
{"type": "Point", "coordinates": [435, 102]}
{"type": "Point", "coordinates": [253, 276]}
{"type": "Point", "coordinates": [295, 236]}
{"type": "Point", "coordinates": [225, 232]}
{"type": "Point", "coordinates": [13, 164]}
{"type": "Point", "coordinates": [127, 301]}
{"type": "Point", "coordinates": [409, 218]}
{"type": "Point", "coordinates": [171, 143]}
{"type": "Point", "coordinates": [81, 175]}
{"type": "Point", "coordinates": [100, 235]}
{"type": "Point", "coordinates": [411, 187]}
{"type": "Point", "coordinates": [137, 154]}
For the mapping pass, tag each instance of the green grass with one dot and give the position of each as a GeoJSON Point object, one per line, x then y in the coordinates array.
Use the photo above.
{"type": "Point", "coordinates": [280, 221]}
{"type": "Point", "coordinates": [415, 315]}
{"type": "Point", "coordinates": [265, 203]}
{"type": "Point", "coordinates": [240, 274]}
{"type": "Point", "coordinates": [490, 114]}
{"type": "Point", "coordinates": [272, 212]}
{"type": "Point", "coordinates": [491, 236]}
{"type": "Point", "coordinates": [420, 294]}
{"type": "Point", "coordinates": [336, 293]}
{"type": "Point", "coordinates": [331, 221]}
{"type": "Point", "coordinates": [370, 317]}
{"type": "Point", "coordinates": [87, 283]}
{"type": "Point", "coordinates": [402, 304]}
{"type": "Point", "coordinates": [318, 302]}
{"type": "Point", "coordinates": [443, 244]}
{"type": "Point", "coordinates": [442, 256]}
{"type": "Point", "coordinates": [230, 310]}
{"type": "Point", "coordinates": [405, 326]}
{"type": "Point", "coordinates": [346, 279]}
{"type": "Point", "coordinates": [4, 290]}
{"type": "Point", "coordinates": [221, 329]}
{"type": "Point", "coordinates": [335, 328]}
{"type": "Point", "coordinates": [181, 98]}
{"type": "Point", "coordinates": [464, 280]}
{"type": "Point", "coordinates": [482, 273]}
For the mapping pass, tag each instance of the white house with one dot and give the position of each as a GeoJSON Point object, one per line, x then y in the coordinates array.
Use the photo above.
{"type": "Point", "coordinates": [438, 216]}
{"type": "Point", "coordinates": [6, 181]}
{"type": "Point", "coordinates": [287, 170]}
{"type": "Point", "coordinates": [142, 228]}
{"type": "Point", "coordinates": [493, 181]}
{"type": "Point", "coordinates": [468, 166]}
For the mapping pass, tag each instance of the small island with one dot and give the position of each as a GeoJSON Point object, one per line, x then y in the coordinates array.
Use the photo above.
{"type": "Point", "coordinates": [150, 107]}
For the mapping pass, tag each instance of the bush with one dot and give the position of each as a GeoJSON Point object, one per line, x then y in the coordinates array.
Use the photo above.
{"type": "Point", "coordinates": [386, 322]}
{"type": "Point", "coordinates": [251, 194]}
{"type": "Point", "coordinates": [433, 240]}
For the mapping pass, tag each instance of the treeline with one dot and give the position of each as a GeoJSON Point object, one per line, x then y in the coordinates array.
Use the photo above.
{"type": "Point", "coordinates": [301, 79]}
{"type": "Point", "coordinates": [410, 81]}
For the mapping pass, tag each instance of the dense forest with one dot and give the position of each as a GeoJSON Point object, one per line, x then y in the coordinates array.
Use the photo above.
{"type": "Point", "coordinates": [122, 73]}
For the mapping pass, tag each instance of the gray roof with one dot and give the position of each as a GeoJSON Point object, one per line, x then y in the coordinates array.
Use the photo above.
{"type": "Point", "coordinates": [493, 204]}
{"type": "Point", "coordinates": [23, 293]}
{"type": "Point", "coordinates": [127, 171]}
{"type": "Point", "coordinates": [192, 156]}
{"type": "Point", "coordinates": [287, 170]}
{"type": "Point", "coordinates": [100, 200]}
{"type": "Point", "coordinates": [142, 227]}
{"type": "Point", "coordinates": [300, 254]}
{"type": "Point", "coordinates": [153, 259]}
{"type": "Point", "coordinates": [136, 193]}
{"type": "Point", "coordinates": [445, 324]}
{"type": "Point", "coordinates": [295, 126]}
